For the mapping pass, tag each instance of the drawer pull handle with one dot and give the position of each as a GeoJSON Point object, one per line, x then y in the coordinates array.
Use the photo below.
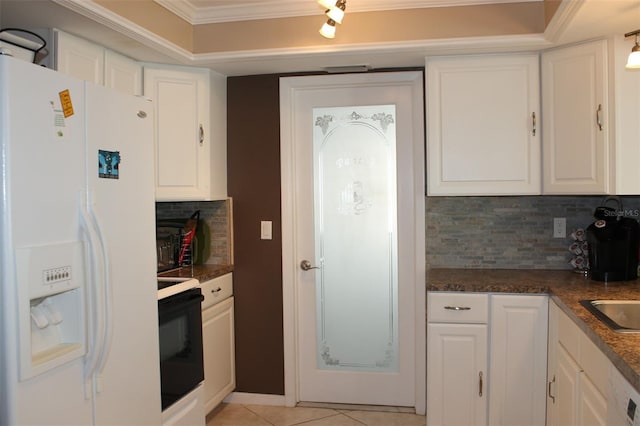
{"type": "Point", "coordinates": [217, 290]}
{"type": "Point", "coordinates": [457, 308]}
{"type": "Point", "coordinates": [480, 384]}
{"type": "Point", "coordinates": [553, 398]}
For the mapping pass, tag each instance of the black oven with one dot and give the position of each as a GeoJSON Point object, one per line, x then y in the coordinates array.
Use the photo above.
{"type": "Point", "coordinates": [181, 363]}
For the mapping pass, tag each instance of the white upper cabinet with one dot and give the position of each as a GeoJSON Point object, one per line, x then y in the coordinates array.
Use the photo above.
{"type": "Point", "coordinates": [79, 58]}
{"type": "Point", "coordinates": [190, 118]}
{"type": "Point", "coordinates": [483, 125]}
{"type": "Point", "coordinates": [181, 126]}
{"type": "Point", "coordinates": [591, 107]}
{"type": "Point", "coordinates": [576, 140]}
{"type": "Point", "coordinates": [626, 86]}
{"type": "Point", "coordinates": [122, 73]}
{"type": "Point", "coordinates": [91, 62]}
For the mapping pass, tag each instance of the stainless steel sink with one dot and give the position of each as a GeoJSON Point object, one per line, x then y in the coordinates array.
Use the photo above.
{"type": "Point", "coordinates": [622, 316]}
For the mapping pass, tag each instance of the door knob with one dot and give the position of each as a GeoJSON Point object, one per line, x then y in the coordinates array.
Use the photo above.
{"type": "Point", "coordinates": [305, 265]}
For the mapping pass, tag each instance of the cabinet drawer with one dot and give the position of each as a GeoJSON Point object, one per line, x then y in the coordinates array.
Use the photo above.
{"type": "Point", "coordinates": [457, 307]}
{"type": "Point", "coordinates": [216, 290]}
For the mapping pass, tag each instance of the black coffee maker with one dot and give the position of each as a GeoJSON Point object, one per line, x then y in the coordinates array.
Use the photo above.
{"type": "Point", "coordinates": [613, 244]}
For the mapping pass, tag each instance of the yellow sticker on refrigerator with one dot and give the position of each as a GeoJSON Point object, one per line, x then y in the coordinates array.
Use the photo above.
{"type": "Point", "coordinates": [67, 105]}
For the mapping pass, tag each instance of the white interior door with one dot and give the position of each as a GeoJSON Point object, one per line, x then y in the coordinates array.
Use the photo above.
{"type": "Point", "coordinates": [353, 210]}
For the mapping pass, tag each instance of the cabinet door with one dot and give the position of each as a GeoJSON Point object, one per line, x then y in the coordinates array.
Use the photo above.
{"type": "Point", "coordinates": [482, 132]}
{"type": "Point", "coordinates": [518, 338]}
{"type": "Point", "coordinates": [552, 365]}
{"type": "Point", "coordinates": [576, 129]}
{"type": "Point", "coordinates": [79, 58]}
{"type": "Point", "coordinates": [122, 73]}
{"type": "Point", "coordinates": [592, 406]}
{"type": "Point", "coordinates": [219, 353]}
{"type": "Point", "coordinates": [181, 124]}
{"type": "Point", "coordinates": [568, 373]}
{"type": "Point", "coordinates": [456, 374]}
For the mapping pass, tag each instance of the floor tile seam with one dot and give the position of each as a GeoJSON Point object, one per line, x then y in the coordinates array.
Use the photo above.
{"type": "Point", "coordinates": [326, 417]}
{"type": "Point", "coordinates": [246, 407]}
{"type": "Point", "coordinates": [354, 418]}
{"type": "Point", "coordinates": [335, 413]}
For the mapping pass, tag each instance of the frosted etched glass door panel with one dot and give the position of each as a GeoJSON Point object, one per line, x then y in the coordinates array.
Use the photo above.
{"type": "Point", "coordinates": [355, 236]}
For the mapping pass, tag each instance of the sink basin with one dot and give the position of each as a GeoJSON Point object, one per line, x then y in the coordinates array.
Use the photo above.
{"type": "Point", "coordinates": [622, 316]}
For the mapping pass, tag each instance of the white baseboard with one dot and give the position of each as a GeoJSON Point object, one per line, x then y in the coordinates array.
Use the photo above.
{"type": "Point", "coordinates": [255, 399]}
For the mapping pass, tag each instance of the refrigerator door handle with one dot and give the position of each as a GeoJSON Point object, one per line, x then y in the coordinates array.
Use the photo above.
{"type": "Point", "coordinates": [94, 310]}
{"type": "Point", "coordinates": [107, 299]}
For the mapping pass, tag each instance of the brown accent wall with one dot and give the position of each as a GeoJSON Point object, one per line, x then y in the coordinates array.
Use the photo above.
{"type": "Point", "coordinates": [253, 164]}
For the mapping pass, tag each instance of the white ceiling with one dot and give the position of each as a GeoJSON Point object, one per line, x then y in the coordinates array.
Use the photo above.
{"type": "Point", "coordinates": [214, 11]}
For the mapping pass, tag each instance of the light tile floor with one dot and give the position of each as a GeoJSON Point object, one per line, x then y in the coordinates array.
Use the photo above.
{"type": "Point", "coordinates": [262, 415]}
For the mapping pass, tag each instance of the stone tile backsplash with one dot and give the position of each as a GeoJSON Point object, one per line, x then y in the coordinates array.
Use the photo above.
{"type": "Point", "coordinates": [217, 215]}
{"type": "Point", "coordinates": [461, 232]}
{"type": "Point", "coordinates": [506, 232]}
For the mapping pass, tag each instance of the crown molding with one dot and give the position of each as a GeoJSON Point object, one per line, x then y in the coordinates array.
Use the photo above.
{"type": "Point", "coordinates": [248, 11]}
{"type": "Point", "coordinates": [109, 19]}
{"type": "Point", "coordinates": [561, 19]}
{"type": "Point", "coordinates": [425, 48]}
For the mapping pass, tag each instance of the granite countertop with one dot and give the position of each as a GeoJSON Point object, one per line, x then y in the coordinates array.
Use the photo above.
{"type": "Point", "coordinates": [200, 272]}
{"type": "Point", "coordinates": [566, 288]}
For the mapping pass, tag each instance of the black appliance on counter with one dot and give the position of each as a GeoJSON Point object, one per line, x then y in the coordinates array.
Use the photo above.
{"type": "Point", "coordinates": [613, 244]}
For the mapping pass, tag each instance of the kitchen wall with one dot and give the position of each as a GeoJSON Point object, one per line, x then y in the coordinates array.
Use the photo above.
{"type": "Point", "coordinates": [216, 215]}
{"type": "Point", "coordinates": [253, 176]}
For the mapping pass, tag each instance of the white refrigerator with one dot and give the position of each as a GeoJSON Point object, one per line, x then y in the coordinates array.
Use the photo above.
{"type": "Point", "coordinates": [78, 305]}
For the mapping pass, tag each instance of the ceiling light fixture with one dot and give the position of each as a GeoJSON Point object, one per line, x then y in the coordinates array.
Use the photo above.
{"type": "Point", "coordinates": [335, 13]}
{"type": "Point", "coordinates": [633, 62]}
{"type": "Point", "coordinates": [328, 30]}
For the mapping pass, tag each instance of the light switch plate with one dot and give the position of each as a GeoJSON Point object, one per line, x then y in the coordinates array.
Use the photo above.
{"type": "Point", "coordinates": [266, 229]}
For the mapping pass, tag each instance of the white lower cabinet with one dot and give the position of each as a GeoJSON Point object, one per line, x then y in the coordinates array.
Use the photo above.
{"type": "Point", "coordinates": [577, 374]}
{"type": "Point", "coordinates": [486, 359]}
{"type": "Point", "coordinates": [518, 367]}
{"type": "Point", "coordinates": [456, 365]}
{"type": "Point", "coordinates": [218, 340]}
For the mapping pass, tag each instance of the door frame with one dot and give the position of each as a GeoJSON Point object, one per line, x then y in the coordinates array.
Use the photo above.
{"type": "Point", "coordinates": [288, 88]}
